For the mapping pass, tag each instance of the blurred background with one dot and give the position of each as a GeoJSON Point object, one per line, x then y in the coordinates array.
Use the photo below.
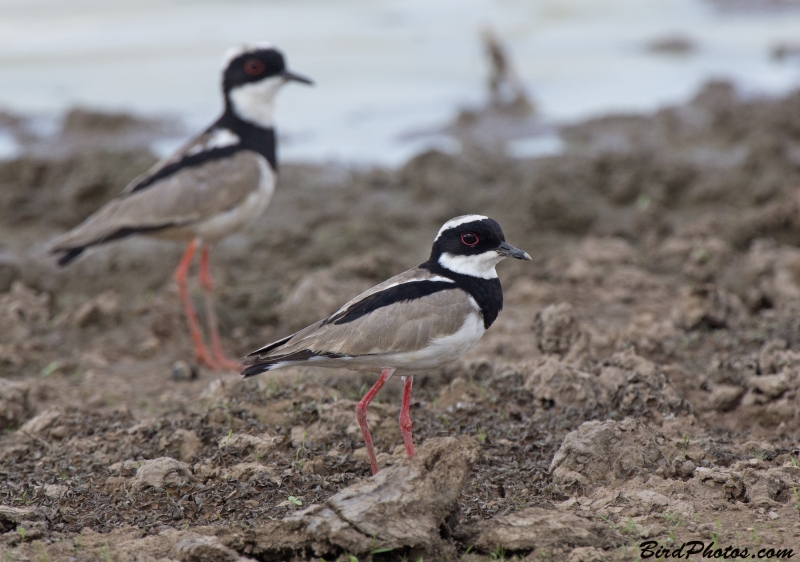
{"type": "Point", "coordinates": [389, 73]}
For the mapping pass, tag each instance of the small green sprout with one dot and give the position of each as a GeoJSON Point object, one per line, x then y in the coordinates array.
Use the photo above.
{"type": "Point", "coordinates": [49, 369]}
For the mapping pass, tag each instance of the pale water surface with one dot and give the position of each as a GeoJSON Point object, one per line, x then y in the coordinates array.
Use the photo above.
{"type": "Point", "coordinates": [383, 68]}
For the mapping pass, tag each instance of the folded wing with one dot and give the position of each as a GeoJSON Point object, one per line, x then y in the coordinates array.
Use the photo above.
{"type": "Point", "coordinates": [405, 325]}
{"type": "Point", "coordinates": [190, 194]}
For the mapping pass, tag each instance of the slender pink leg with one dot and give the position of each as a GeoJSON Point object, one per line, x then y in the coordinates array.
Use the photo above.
{"type": "Point", "coordinates": [361, 416]}
{"type": "Point", "coordinates": [180, 276]}
{"type": "Point", "coordinates": [220, 359]}
{"type": "Point", "coordinates": [405, 416]}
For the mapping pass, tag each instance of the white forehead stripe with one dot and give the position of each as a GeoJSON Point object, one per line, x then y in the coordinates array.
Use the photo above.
{"type": "Point", "coordinates": [452, 223]}
{"type": "Point", "coordinates": [234, 52]}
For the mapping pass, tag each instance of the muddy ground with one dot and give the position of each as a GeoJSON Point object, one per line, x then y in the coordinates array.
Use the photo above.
{"type": "Point", "coordinates": [641, 383]}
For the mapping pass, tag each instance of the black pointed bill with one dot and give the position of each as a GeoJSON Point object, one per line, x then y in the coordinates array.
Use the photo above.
{"type": "Point", "coordinates": [510, 251]}
{"type": "Point", "coordinates": [291, 76]}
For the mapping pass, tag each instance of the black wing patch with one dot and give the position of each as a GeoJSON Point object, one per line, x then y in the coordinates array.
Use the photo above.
{"type": "Point", "coordinates": [251, 137]}
{"type": "Point", "coordinates": [187, 162]}
{"type": "Point", "coordinates": [399, 293]}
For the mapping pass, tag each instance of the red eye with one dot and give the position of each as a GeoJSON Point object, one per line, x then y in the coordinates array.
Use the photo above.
{"type": "Point", "coordinates": [469, 239]}
{"type": "Point", "coordinates": [253, 67]}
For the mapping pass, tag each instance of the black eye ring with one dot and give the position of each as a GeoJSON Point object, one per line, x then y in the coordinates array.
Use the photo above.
{"type": "Point", "coordinates": [253, 67]}
{"type": "Point", "coordinates": [470, 239]}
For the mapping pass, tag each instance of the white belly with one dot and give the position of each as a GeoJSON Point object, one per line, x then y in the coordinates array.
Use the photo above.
{"type": "Point", "coordinates": [247, 211]}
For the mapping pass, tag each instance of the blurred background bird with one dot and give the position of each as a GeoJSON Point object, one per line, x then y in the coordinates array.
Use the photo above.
{"type": "Point", "coordinates": [217, 183]}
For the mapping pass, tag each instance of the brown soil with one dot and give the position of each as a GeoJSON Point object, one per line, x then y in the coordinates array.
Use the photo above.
{"type": "Point", "coordinates": [641, 383]}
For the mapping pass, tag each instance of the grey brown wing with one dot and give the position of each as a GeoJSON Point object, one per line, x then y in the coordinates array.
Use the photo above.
{"type": "Point", "coordinates": [194, 145]}
{"type": "Point", "coordinates": [413, 274]}
{"type": "Point", "coordinates": [190, 195]}
{"type": "Point", "coordinates": [399, 327]}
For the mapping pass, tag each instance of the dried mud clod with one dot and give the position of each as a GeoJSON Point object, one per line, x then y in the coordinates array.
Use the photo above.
{"type": "Point", "coordinates": [624, 384]}
{"type": "Point", "coordinates": [709, 307]}
{"type": "Point", "coordinates": [15, 406]}
{"type": "Point", "coordinates": [602, 453]}
{"type": "Point", "coordinates": [161, 473]}
{"type": "Point", "coordinates": [23, 313]}
{"type": "Point", "coordinates": [404, 507]}
{"type": "Point", "coordinates": [534, 529]}
{"type": "Point", "coordinates": [557, 329]}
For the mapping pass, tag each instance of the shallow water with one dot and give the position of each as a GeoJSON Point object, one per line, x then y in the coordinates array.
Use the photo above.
{"type": "Point", "coordinates": [383, 68]}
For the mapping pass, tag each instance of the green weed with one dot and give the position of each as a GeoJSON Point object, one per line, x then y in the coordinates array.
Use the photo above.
{"type": "Point", "coordinates": [49, 369]}
{"type": "Point", "coordinates": [104, 553]}
{"type": "Point", "coordinates": [629, 528]}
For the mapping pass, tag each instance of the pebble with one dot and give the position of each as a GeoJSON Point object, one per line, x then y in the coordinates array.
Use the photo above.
{"type": "Point", "coordinates": [55, 490]}
{"type": "Point", "coordinates": [182, 371]}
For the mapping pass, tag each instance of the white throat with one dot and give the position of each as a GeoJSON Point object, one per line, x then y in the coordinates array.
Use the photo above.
{"type": "Point", "coordinates": [481, 266]}
{"type": "Point", "coordinates": [256, 102]}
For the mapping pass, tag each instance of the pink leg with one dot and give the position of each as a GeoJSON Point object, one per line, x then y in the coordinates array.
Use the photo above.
{"type": "Point", "coordinates": [361, 416]}
{"type": "Point", "coordinates": [180, 276]}
{"type": "Point", "coordinates": [220, 359]}
{"type": "Point", "coordinates": [405, 416]}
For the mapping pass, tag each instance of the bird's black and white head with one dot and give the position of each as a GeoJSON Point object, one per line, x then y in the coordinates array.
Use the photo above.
{"type": "Point", "coordinates": [472, 245]}
{"type": "Point", "coordinates": [252, 77]}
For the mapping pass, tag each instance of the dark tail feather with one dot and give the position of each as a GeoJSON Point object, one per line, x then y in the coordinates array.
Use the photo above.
{"type": "Point", "coordinates": [256, 369]}
{"type": "Point", "coordinates": [267, 364]}
{"type": "Point", "coordinates": [72, 253]}
{"type": "Point", "coordinates": [69, 255]}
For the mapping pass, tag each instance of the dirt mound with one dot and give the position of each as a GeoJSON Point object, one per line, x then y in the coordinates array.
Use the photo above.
{"type": "Point", "coordinates": [15, 405]}
{"type": "Point", "coordinates": [535, 529]}
{"type": "Point", "coordinates": [601, 453]}
{"type": "Point", "coordinates": [624, 384]}
{"type": "Point", "coordinates": [557, 329]}
{"type": "Point", "coordinates": [403, 507]}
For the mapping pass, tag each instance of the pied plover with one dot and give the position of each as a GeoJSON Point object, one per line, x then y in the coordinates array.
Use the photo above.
{"type": "Point", "coordinates": [418, 320]}
{"type": "Point", "coordinates": [217, 183]}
